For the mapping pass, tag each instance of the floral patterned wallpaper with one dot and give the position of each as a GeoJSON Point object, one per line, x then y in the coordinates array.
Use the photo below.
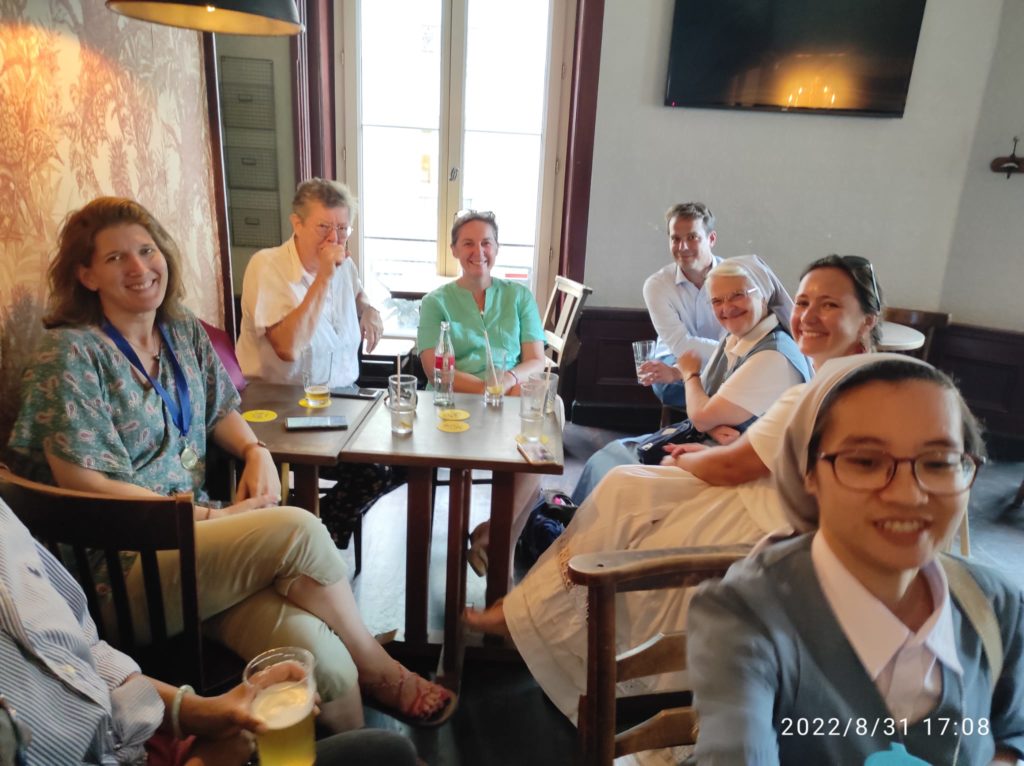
{"type": "Point", "coordinates": [92, 104]}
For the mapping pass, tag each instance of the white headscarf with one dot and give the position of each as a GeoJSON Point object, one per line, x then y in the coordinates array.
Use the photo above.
{"type": "Point", "coordinates": [790, 466]}
{"type": "Point", "coordinates": [775, 295]}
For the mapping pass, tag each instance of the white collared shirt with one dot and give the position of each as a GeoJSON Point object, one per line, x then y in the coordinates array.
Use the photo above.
{"type": "Point", "coordinates": [275, 283]}
{"type": "Point", "coordinates": [681, 313]}
{"type": "Point", "coordinates": [905, 666]}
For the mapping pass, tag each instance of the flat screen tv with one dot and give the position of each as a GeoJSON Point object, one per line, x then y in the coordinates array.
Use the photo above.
{"type": "Point", "coordinates": [835, 56]}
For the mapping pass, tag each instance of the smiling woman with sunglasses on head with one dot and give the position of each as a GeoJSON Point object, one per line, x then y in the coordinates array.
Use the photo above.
{"type": "Point", "coordinates": [482, 309]}
{"type": "Point", "coordinates": [858, 643]}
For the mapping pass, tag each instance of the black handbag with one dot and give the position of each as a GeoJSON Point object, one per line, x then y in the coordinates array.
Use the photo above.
{"type": "Point", "coordinates": [651, 449]}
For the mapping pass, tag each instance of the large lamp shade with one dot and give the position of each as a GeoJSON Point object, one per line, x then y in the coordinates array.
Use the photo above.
{"type": "Point", "coordinates": [232, 17]}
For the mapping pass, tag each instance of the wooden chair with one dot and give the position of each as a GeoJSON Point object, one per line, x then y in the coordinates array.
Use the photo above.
{"type": "Point", "coordinates": [561, 317]}
{"type": "Point", "coordinates": [80, 521]}
{"type": "Point", "coordinates": [674, 721]}
{"type": "Point", "coordinates": [926, 322]}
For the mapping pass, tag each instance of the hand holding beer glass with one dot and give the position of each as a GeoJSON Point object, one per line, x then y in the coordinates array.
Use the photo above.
{"type": "Point", "coordinates": [285, 700]}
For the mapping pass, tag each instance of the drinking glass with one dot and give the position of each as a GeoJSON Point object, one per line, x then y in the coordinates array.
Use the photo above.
{"type": "Point", "coordinates": [494, 380]}
{"type": "Point", "coordinates": [550, 379]}
{"type": "Point", "coordinates": [643, 351]}
{"type": "Point", "coordinates": [401, 402]}
{"type": "Point", "coordinates": [285, 695]}
{"type": "Point", "coordinates": [532, 395]}
{"type": "Point", "coordinates": [316, 377]}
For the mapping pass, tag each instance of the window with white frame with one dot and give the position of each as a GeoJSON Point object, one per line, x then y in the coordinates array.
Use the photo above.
{"type": "Point", "coordinates": [447, 105]}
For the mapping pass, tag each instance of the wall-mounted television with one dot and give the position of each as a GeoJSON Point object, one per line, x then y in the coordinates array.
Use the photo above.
{"type": "Point", "coordinates": [834, 56]}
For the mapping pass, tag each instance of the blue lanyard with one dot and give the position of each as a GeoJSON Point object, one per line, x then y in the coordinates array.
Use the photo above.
{"type": "Point", "coordinates": [180, 415]}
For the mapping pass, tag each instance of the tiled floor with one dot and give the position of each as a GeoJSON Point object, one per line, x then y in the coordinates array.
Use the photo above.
{"type": "Point", "coordinates": [504, 718]}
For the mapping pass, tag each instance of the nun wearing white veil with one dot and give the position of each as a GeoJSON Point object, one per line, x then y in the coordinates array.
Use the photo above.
{"type": "Point", "coordinates": [859, 642]}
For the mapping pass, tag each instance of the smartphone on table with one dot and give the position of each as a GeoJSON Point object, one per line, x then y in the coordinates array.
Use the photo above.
{"type": "Point", "coordinates": [355, 392]}
{"type": "Point", "coordinates": [317, 423]}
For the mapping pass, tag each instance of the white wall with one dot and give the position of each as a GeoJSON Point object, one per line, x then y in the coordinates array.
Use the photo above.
{"type": "Point", "coordinates": [790, 187]}
{"type": "Point", "coordinates": [985, 274]}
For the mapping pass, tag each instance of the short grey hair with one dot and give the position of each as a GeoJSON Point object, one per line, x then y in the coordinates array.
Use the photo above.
{"type": "Point", "coordinates": [328, 193]}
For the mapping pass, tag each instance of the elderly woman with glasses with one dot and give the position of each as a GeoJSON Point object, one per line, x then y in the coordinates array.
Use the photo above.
{"type": "Point", "coordinates": [753, 365]}
{"type": "Point", "coordinates": [859, 642]}
{"type": "Point", "coordinates": [481, 310]}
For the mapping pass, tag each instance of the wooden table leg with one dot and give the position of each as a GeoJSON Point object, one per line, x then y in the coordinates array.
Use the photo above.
{"type": "Point", "coordinates": [307, 487]}
{"type": "Point", "coordinates": [499, 550]}
{"type": "Point", "coordinates": [417, 559]}
{"type": "Point", "coordinates": [455, 591]}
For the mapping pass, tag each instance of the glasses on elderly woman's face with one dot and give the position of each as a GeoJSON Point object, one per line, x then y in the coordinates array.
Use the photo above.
{"type": "Point", "coordinates": [860, 262]}
{"type": "Point", "coordinates": [732, 298]}
{"type": "Point", "coordinates": [942, 472]}
{"type": "Point", "coordinates": [325, 229]}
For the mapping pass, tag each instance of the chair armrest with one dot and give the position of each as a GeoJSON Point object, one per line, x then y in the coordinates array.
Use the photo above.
{"type": "Point", "coordinates": [654, 569]}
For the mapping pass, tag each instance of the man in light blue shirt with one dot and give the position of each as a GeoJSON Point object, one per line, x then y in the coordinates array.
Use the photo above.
{"type": "Point", "coordinates": [677, 301]}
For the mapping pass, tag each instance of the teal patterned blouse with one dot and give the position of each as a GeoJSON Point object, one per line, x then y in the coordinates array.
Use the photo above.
{"type": "Point", "coordinates": [82, 401]}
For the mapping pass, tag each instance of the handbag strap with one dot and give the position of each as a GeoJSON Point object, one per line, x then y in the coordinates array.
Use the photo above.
{"type": "Point", "coordinates": [979, 611]}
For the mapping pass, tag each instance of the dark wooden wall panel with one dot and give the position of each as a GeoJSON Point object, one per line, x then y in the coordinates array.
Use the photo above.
{"type": "Point", "coordinates": [606, 392]}
{"type": "Point", "coordinates": [988, 365]}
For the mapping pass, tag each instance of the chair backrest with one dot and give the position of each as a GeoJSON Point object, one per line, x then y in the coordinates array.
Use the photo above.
{"type": "Point", "coordinates": [81, 522]}
{"type": "Point", "coordinates": [672, 719]}
{"type": "Point", "coordinates": [925, 322]}
{"type": "Point", "coordinates": [225, 348]}
{"type": "Point", "coordinates": [560, 319]}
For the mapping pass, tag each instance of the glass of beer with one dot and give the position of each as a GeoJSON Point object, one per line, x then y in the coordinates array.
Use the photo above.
{"type": "Point", "coordinates": [284, 701]}
{"type": "Point", "coordinates": [316, 377]}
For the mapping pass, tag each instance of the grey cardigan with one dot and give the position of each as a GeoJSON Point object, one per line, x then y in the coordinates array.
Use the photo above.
{"type": "Point", "coordinates": [776, 681]}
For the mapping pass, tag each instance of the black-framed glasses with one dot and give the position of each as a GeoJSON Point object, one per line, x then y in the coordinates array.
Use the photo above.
{"type": "Point", "coordinates": [21, 736]}
{"type": "Point", "coordinates": [940, 472]}
{"type": "Point", "coordinates": [860, 262]}
{"type": "Point", "coordinates": [325, 230]}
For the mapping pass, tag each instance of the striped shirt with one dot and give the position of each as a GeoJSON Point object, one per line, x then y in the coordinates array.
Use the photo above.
{"type": "Point", "coordinates": [84, 701]}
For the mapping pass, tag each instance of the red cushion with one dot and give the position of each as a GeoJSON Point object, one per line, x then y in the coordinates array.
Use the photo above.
{"type": "Point", "coordinates": [225, 349]}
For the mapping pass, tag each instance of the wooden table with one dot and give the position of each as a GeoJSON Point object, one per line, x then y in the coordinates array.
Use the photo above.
{"type": "Point", "coordinates": [489, 444]}
{"type": "Point", "coordinates": [306, 451]}
{"type": "Point", "coordinates": [900, 337]}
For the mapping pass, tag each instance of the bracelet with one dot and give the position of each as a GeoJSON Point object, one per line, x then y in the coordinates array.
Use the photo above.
{"type": "Point", "coordinates": [176, 709]}
{"type": "Point", "coordinates": [514, 377]}
{"type": "Point", "coordinates": [249, 446]}
{"type": "Point", "coordinates": [686, 378]}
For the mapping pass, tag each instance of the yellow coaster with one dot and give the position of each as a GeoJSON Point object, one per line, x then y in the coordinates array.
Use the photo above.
{"type": "Point", "coordinates": [522, 439]}
{"type": "Point", "coordinates": [453, 426]}
{"type": "Point", "coordinates": [306, 403]}
{"type": "Point", "coordinates": [453, 415]}
{"type": "Point", "coordinates": [259, 416]}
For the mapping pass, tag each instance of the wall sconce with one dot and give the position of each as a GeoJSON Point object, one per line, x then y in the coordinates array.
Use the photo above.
{"type": "Point", "coordinates": [232, 17]}
{"type": "Point", "coordinates": [1009, 165]}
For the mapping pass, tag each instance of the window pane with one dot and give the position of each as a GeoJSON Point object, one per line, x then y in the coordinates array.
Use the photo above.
{"type": "Point", "coordinates": [502, 174]}
{"type": "Point", "coordinates": [400, 184]}
{"type": "Point", "coordinates": [506, 65]}
{"type": "Point", "coordinates": [400, 52]}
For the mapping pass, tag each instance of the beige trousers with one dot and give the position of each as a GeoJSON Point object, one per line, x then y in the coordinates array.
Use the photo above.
{"type": "Point", "coordinates": [245, 565]}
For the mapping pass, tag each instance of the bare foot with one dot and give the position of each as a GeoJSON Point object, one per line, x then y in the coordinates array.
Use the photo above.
{"type": "Point", "coordinates": [491, 620]}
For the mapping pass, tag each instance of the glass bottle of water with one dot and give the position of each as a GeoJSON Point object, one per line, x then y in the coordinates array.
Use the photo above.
{"type": "Point", "coordinates": [444, 369]}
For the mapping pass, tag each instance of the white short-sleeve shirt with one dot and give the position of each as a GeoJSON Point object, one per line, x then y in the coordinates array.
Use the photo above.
{"type": "Point", "coordinates": [755, 386]}
{"type": "Point", "coordinates": [275, 283]}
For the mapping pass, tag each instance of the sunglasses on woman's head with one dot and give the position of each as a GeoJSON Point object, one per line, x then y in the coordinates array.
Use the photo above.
{"type": "Point", "coordinates": [859, 262]}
